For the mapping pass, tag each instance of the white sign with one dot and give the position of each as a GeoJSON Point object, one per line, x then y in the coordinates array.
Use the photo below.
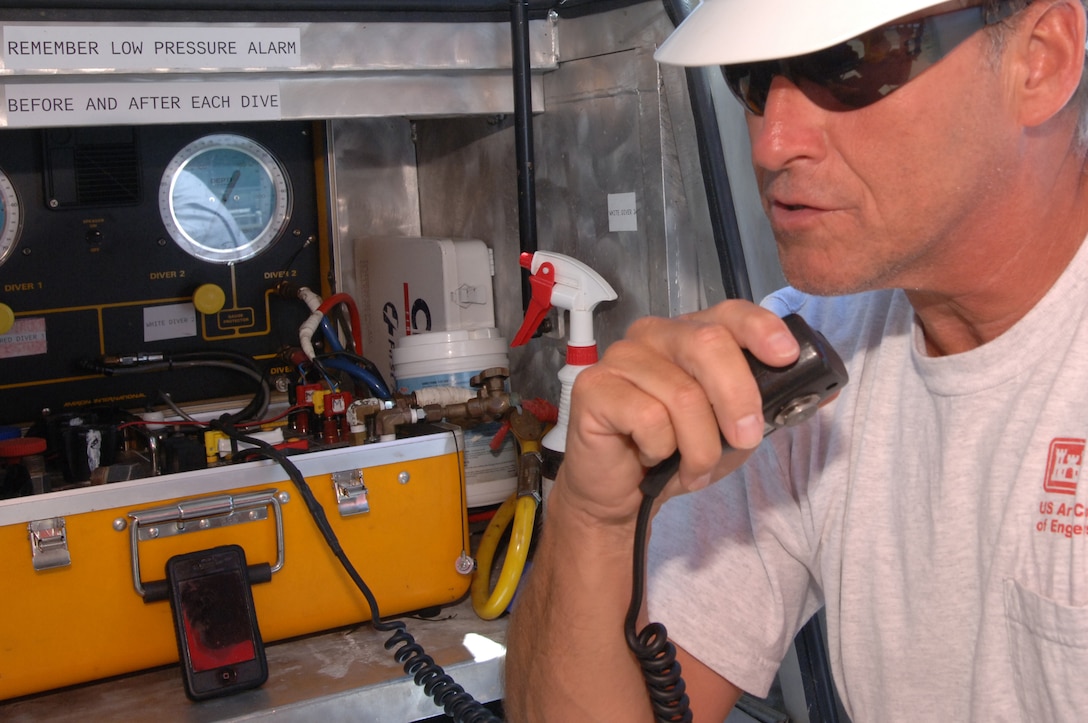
{"type": "Point", "coordinates": [26, 338]}
{"type": "Point", "coordinates": [173, 321]}
{"type": "Point", "coordinates": [622, 214]}
{"type": "Point", "coordinates": [76, 104]}
{"type": "Point", "coordinates": [160, 47]}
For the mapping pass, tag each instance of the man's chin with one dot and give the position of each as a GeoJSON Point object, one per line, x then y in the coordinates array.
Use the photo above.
{"type": "Point", "coordinates": [823, 284]}
{"type": "Point", "coordinates": [842, 279]}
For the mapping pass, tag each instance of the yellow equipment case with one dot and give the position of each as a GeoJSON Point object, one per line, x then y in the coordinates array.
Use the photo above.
{"type": "Point", "coordinates": [77, 565]}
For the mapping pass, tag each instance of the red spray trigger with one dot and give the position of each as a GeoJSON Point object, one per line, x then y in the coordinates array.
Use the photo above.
{"type": "Point", "coordinates": [541, 283]}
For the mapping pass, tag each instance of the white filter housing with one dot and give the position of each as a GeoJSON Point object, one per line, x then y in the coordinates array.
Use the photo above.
{"type": "Point", "coordinates": [414, 285]}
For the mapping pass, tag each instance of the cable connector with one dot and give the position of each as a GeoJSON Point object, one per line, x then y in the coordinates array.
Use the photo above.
{"type": "Point", "coordinates": [130, 360]}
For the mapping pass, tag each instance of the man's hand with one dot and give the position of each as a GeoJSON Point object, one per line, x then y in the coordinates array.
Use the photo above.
{"type": "Point", "coordinates": [669, 384]}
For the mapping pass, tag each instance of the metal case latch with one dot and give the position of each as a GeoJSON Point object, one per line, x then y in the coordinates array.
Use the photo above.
{"type": "Point", "coordinates": [48, 543]}
{"type": "Point", "coordinates": [350, 492]}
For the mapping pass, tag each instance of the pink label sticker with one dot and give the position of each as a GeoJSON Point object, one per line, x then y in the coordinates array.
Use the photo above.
{"type": "Point", "coordinates": [26, 338]}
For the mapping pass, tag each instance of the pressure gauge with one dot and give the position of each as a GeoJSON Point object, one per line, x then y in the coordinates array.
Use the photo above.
{"type": "Point", "coordinates": [11, 217]}
{"type": "Point", "coordinates": [224, 198]}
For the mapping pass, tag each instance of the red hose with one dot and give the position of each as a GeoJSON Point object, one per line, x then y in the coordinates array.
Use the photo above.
{"type": "Point", "coordinates": [353, 311]}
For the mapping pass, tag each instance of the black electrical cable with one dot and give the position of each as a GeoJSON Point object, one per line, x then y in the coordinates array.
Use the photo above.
{"type": "Point", "coordinates": [436, 683]}
{"type": "Point", "coordinates": [651, 646]}
{"type": "Point", "coordinates": [256, 407]}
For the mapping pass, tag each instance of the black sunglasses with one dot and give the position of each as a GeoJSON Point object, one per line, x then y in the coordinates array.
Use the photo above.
{"type": "Point", "coordinates": [865, 69]}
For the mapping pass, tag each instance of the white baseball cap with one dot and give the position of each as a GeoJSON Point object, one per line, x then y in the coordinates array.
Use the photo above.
{"type": "Point", "coordinates": [721, 32]}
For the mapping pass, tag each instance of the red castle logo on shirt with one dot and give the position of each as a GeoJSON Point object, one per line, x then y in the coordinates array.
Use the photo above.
{"type": "Point", "coordinates": [1063, 466]}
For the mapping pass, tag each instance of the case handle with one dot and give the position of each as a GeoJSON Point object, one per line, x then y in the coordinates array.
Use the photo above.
{"type": "Point", "coordinates": [159, 590]}
{"type": "Point", "coordinates": [203, 513]}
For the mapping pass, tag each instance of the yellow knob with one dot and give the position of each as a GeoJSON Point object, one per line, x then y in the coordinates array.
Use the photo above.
{"type": "Point", "coordinates": [7, 319]}
{"type": "Point", "coordinates": [209, 299]}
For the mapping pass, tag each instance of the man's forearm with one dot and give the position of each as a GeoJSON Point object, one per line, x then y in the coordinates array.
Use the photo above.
{"type": "Point", "coordinates": [567, 656]}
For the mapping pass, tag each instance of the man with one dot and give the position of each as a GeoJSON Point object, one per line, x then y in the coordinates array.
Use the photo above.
{"type": "Point", "coordinates": [924, 175]}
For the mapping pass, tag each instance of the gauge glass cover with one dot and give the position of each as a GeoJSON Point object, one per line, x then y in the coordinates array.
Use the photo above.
{"type": "Point", "coordinates": [11, 217]}
{"type": "Point", "coordinates": [224, 198]}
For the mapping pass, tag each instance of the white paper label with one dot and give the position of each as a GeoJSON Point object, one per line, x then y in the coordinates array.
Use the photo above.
{"type": "Point", "coordinates": [173, 321]}
{"type": "Point", "coordinates": [63, 104]}
{"type": "Point", "coordinates": [622, 212]}
{"type": "Point", "coordinates": [145, 47]}
{"type": "Point", "coordinates": [25, 338]}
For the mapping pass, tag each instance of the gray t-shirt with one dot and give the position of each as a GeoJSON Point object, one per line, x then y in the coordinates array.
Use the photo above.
{"type": "Point", "coordinates": [935, 509]}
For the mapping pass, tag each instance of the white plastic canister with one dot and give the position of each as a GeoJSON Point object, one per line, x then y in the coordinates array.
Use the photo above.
{"type": "Point", "coordinates": [451, 359]}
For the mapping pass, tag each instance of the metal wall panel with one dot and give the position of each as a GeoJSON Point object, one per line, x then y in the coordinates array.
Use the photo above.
{"type": "Point", "coordinates": [609, 125]}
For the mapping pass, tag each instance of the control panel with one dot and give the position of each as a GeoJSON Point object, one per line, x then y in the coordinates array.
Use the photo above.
{"type": "Point", "coordinates": [119, 242]}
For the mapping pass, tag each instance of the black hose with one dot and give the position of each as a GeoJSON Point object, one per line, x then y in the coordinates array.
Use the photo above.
{"type": "Point", "coordinates": [230, 361]}
{"type": "Point", "coordinates": [259, 404]}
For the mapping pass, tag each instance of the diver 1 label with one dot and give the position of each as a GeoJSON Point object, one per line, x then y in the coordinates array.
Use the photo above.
{"type": "Point", "coordinates": [25, 338]}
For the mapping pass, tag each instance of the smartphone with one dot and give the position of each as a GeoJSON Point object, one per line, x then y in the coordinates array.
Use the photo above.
{"type": "Point", "coordinates": [219, 642]}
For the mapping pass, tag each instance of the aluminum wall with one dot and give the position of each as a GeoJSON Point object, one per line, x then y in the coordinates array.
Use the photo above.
{"type": "Point", "coordinates": [609, 123]}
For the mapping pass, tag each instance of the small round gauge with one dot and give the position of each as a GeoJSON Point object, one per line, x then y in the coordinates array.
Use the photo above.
{"type": "Point", "coordinates": [11, 217]}
{"type": "Point", "coordinates": [224, 198]}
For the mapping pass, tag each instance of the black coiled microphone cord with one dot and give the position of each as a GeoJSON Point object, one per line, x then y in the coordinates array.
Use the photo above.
{"type": "Point", "coordinates": [651, 646]}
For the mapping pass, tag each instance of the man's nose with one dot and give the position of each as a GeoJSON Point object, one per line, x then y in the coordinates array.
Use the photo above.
{"type": "Point", "coordinates": [790, 129]}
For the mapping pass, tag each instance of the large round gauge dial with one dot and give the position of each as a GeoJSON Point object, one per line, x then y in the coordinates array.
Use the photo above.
{"type": "Point", "coordinates": [224, 198]}
{"type": "Point", "coordinates": [11, 217]}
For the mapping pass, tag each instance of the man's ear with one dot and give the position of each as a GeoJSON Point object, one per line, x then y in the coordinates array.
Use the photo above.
{"type": "Point", "coordinates": [1047, 55]}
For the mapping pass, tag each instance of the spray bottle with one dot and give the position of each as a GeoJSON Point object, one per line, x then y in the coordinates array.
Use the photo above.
{"type": "Point", "coordinates": [565, 283]}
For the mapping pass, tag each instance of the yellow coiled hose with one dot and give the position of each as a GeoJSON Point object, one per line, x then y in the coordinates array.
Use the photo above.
{"type": "Point", "coordinates": [490, 604]}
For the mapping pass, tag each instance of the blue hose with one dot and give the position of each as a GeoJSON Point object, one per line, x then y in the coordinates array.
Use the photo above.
{"type": "Point", "coordinates": [360, 374]}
